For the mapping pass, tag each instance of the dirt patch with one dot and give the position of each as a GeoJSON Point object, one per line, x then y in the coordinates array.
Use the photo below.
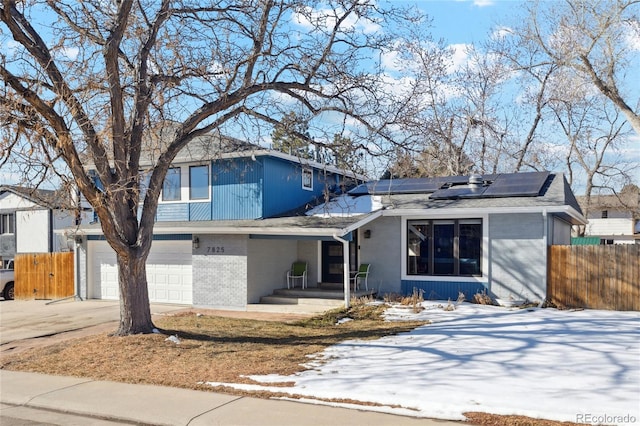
{"type": "Point", "coordinates": [485, 419]}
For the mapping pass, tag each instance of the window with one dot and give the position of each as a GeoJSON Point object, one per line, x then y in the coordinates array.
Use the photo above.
{"type": "Point", "coordinates": [444, 247]}
{"type": "Point", "coordinates": [171, 186]}
{"type": "Point", "coordinates": [7, 223]}
{"type": "Point", "coordinates": [605, 214]}
{"type": "Point", "coordinates": [307, 179]}
{"type": "Point", "coordinates": [198, 182]}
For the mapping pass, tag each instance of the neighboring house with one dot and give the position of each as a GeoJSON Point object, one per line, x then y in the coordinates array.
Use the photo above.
{"type": "Point", "coordinates": [33, 221]}
{"type": "Point", "coordinates": [613, 219]}
{"type": "Point", "coordinates": [439, 235]}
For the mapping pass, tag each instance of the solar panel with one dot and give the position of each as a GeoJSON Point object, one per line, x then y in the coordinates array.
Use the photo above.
{"type": "Point", "coordinates": [517, 185]}
{"type": "Point", "coordinates": [452, 187]}
{"type": "Point", "coordinates": [406, 186]}
{"type": "Point", "coordinates": [462, 191]}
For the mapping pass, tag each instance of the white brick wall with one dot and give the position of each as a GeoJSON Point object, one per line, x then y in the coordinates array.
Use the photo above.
{"type": "Point", "coordinates": [220, 272]}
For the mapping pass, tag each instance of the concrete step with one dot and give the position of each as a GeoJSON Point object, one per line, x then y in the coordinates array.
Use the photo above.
{"type": "Point", "coordinates": [331, 286]}
{"type": "Point", "coordinates": [290, 309]}
{"type": "Point", "coordinates": [319, 293]}
{"type": "Point", "coordinates": [292, 300]}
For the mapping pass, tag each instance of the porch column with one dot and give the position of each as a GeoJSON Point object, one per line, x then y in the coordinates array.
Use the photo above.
{"type": "Point", "coordinates": [345, 266]}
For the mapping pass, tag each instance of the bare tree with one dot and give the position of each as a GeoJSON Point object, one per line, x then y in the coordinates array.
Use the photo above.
{"type": "Point", "coordinates": [594, 130]}
{"type": "Point", "coordinates": [548, 56]}
{"type": "Point", "coordinates": [592, 39]}
{"type": "Point", "coordinates": [88, 80]}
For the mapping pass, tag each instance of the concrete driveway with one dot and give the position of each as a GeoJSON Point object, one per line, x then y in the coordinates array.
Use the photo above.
{"type": "Point", "coordinates": [20, 320]}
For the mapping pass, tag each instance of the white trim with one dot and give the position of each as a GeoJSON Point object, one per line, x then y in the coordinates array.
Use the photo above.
{"type": "Point", "coordinates": [233, 230]}
{"type": "Point", "coordinates": [468, 212]}
{"type": "Point", "coordinates": [440, 278]}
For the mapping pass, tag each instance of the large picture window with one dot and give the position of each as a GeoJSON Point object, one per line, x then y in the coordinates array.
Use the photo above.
{"type": "Point", "coordinates": [444, 247]}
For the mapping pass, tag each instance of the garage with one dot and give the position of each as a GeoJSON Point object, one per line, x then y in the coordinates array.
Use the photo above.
{"type": "Point", "coordinates": [168, 272]}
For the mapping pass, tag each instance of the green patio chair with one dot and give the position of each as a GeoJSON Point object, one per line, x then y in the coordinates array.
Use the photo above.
{"type": "Point", "coordinates": [298, 271]}
{"type": "Point", "coordinates": [361, 275]}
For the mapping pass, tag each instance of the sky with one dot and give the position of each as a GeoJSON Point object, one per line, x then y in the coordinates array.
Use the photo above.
{"type": "Point", "coordinates": [581, 366]}
{"type": "Point", "coordinates": [460, 22]}
{"type": "Point", "coordinates": [463, 22]}
{"type": "Point", "coordinates": [466, 21]}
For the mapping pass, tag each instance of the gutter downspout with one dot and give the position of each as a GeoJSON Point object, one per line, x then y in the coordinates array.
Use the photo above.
{"type": "Point", "coordinates": [545, 241]}
{"type": "Point", "coordinates": [345, 264]}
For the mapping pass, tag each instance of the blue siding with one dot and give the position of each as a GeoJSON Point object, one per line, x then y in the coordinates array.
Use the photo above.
{"type": "Point", "coordinates": [172, 212]}
{"type": "Point", "coordinates": [443, 290]}
{"type": "Point", "coordinates": [283, 186]}
{"type": "Point", "coordinates": [200, 211]}
{"type": "Point", "coordinates": [236, 189]}
{"type": "Point", "coordinates": [243, 188]}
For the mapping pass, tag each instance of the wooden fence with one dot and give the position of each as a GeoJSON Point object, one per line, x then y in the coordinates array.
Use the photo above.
{"type": "Point", "coordinates": [595, 277]}
{"type": "Point", "coordinates": [43, 276]}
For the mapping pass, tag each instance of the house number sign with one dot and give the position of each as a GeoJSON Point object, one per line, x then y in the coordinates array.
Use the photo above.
{"type": "Point", "coordinates": [215, 249]}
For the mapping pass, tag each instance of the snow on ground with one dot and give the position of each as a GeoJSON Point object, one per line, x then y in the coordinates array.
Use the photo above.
{"type": "Point", "coordinates": [580, 366]}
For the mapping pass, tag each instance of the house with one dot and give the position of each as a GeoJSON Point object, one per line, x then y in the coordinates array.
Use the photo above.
{"type": "Point", "coordinates": [466, 234]}
{"type": "Point", "coordinates": [257, 211]}
{"type": "Point", "coordinates": [613, 219]}
{"type": "Point", "coordinates": [34, 221]}
{"type": "Point", "coordinates": [223, 236]}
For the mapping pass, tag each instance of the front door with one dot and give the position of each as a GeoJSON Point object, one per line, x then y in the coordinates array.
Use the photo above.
{"type": "Point", "coordinates": [332, 260]}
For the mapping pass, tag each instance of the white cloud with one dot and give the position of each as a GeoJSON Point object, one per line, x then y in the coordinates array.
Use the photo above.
{"type": "Point", "coordinates": [459, 56]}
{"type": "Point", "coordinates": [391, 61]}
{"type": "Point", "coordinates": [327, 18]}
{"type": "Point", "coordinates": [483, 3]}
{"type": "Point", "coordinates": [70, 52]}
{"type": "Point", "coordinates": [632, 36]}
{"type": "Point", "coordinates": [501, 32]}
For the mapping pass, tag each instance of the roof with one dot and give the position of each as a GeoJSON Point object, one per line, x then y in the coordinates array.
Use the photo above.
{"type": "Point", "coordinates": [42, 197]}
{"type": "Point", "coordinates": [554, 197]}
{"type": "Point", "coordinates": [311, 226]}
{"type": "Point", "coordinates": [213, 146]}
{"type": "Point", "coordinates": [626, 201]}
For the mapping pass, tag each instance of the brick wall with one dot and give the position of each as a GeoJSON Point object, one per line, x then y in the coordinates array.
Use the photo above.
{"type": "Point", "coordinates": [220, 272]}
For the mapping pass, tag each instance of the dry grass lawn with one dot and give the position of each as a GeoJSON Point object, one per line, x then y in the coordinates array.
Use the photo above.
{"type": "Point", "coordinates": [219, 349]}
{"type": "Point", "coordinates": [211, 348]}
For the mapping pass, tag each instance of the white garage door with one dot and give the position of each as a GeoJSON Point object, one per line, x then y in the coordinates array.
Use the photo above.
{"type": "Point", "coordinates": [168, 272]}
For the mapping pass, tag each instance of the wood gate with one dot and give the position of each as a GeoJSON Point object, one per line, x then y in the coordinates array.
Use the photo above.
{"type": "Point", "coordinates": [44, 276]}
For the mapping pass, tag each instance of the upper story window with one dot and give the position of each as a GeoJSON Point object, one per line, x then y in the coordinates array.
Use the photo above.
{"type": "Point", "coordinates": [171, 187]}
{"type": "Point", "coordinates": [187, 183]}
{"type": "Point", "coordinates": [307, 179]}
{"type": "Point", "coordinates": [444, 247]}
{"type": "Point", "coordinates": [7, 223]}
{"type": "Point", "coordinates": [605, 214]}
{"type": "Point", "coordinates": [199, 182]}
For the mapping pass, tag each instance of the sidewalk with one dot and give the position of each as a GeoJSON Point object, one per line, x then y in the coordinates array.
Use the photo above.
{"type": "Point", "coordinates": [157, 405]}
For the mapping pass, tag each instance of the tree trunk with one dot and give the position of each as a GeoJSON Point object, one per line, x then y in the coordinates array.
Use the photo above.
{"type": "Point", "coordinates": [135, 312]}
